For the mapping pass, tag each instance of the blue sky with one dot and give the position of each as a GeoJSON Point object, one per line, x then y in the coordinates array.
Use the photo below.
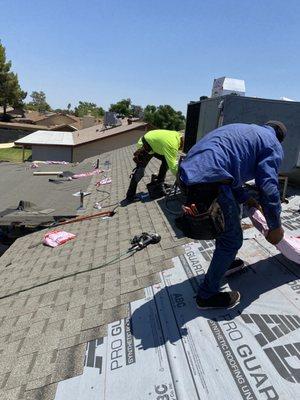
{"type": "Point", "coordinates": [153, 51]}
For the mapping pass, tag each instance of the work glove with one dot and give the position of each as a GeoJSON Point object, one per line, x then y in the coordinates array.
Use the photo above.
{"type": "Point", "coordinates": [274, 236]}
{"type": "Point", "coordinates": [251, 202]}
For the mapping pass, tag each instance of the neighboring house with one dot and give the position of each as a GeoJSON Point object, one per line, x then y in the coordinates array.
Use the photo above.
{"type": "Point", "coordinates": [52, 119]}
{"type": "Point", "coordinates": [12, 131]}
{"type": "Point", "coordinates": [82, 144]}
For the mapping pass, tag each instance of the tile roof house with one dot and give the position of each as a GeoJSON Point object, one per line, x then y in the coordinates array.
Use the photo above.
{"type": "Point", "coordinates": [76, 326]}
{"type": "Point", "coordinates": [82, 144]}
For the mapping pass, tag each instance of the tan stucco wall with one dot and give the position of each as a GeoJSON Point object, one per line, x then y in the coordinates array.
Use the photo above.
{"type": "Point", "coordinates": [111, 143]}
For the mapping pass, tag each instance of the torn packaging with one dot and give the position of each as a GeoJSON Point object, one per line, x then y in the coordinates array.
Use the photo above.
{"type": "Point", "coordinates": [56, 238]}
{"type": "Point", "coordinates": [289, 246]}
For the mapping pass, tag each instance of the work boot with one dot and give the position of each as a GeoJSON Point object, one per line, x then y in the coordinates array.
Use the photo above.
{"type": "Point", "coordinates": [235, 266]}
{"type": "Point", "coordinates": [156, 190]}
{"type": "Point", "coordinates": [219, 300]}
{"type": "Point", "coordinates": [154, 178]}
{"type": "Point", "coordinates": [129, 200]}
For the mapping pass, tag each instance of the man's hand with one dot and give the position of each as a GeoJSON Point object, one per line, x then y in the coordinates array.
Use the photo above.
{"type": "Point", "coordinates": [252, 203]}
{"type": "Point", "coordinates": [275, 236]}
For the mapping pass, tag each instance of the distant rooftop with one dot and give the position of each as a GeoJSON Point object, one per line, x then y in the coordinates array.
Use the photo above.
{"type": "Point", "coordinates": [59, 138]}
{"type": "Point", "coordinates": [21, 126]}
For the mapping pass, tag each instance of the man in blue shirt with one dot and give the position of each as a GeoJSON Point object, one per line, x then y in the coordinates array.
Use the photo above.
{"type": "Point", "coordinates": [218, 166]}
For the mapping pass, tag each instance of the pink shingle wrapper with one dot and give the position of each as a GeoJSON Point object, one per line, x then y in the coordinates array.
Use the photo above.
{"type": "Point", "coordinates": [104, 181]}
{"type": "Point", "coordinates": [289, 246]}
{"type": "Point", "coordinates": [56, 238]}
{"type": "Point", "coordinates": [91, 173]}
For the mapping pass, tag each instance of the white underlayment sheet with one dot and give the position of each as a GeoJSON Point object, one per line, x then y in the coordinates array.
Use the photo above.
{"type": "Point", "coordinates": [179, 352]}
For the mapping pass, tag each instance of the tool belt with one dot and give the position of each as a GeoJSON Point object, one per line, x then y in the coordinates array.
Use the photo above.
{"type": "Point", "coordinates": [204, 226]}
{"type": "Point", "coordinates": [202, 217]}
{"type": "Point", "coordinates": [141, 156]}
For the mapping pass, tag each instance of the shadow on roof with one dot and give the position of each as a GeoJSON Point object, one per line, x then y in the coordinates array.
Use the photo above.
{"type": "Point", "coordinates": [171, 207]}
{"type": "Point", "coordinates": [252, 283]}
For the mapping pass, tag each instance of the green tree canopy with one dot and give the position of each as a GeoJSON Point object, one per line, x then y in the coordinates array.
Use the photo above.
{"type": "Point", "coordinates": [84, 108]}
{"type": "Point", "coordinates": [39, 102]}
{"type": "Point", "coordinates": [64, 111]}
{"type": "Point", "coordinates": [122, 107]}
{"type": "Point", "coordinates": [137, 111]}
{"type": "Point", "coordinates": [11, 93]}
{"type": "Point", "coordinates": [164, 117]}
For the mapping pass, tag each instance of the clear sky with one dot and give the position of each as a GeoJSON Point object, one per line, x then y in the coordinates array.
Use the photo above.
{"type": "Point", "coordinates": [153, 51]}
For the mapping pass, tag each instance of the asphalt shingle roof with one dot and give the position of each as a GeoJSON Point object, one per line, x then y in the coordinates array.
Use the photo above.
{"type": "Point", "coordinates": [43, 331]}
{"type": "Point", "coordinates": [17, 183]}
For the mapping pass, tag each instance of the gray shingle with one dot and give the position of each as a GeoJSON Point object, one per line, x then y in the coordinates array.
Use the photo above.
{"type": "Point", "coordinates": [50, 325]}
{"type": "Point", "coordinates": [42, 393]}
{"type": "Point", "coordinates": [69, 363]}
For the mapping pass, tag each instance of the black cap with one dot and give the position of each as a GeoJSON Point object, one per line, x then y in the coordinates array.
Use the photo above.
{"type": "Point", "coordinates": [280, 129]}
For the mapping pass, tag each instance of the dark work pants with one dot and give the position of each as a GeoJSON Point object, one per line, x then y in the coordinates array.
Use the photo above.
{"type": "Point", "coordinates": [227, 244]}
{"type": "Point", "coordinates": [140, 171]}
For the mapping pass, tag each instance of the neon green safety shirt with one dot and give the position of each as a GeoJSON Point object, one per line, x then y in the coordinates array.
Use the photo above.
{"type": "Point", "coordinates": [165, 143]}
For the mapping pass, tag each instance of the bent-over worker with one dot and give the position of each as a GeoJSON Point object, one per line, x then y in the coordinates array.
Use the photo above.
{"type": "Point", "coordinates": [217, 166]}
{"type": "Point", "coordinates": [159, 143]}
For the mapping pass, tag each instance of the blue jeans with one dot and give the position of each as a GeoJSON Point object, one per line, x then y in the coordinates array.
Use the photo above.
{"type": "Point", "coordinates": [227, 244]}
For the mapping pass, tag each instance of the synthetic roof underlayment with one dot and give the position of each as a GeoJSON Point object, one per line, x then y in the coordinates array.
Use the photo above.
{"type": "Point", "coordinates": [55, 343]}
{"type": "Point", "coordinates": [167, 348]}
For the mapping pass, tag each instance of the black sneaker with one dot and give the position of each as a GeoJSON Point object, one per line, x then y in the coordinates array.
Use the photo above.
{"type": "Point", "coordinates": [235, 266]}
{"type": "Point", "coordinates": [127, 201]}
{"type": "Point", "coordinates": [219, 300]}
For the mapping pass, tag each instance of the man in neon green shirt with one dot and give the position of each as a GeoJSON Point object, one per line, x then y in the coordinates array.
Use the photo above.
{"type": "Point", "coordinates": [162, 144]}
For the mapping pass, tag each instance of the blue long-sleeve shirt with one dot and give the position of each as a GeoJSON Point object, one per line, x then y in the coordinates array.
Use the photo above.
{"type": "Point", "coordinates": [239, 152]}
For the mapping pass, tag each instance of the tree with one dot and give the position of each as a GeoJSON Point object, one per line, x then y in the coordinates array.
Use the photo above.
{"type": "Point", "coordinates": [11, 93]}
{"type": "Point", "coordinates": [137, 111]}
{"type": "Point", "coordinates": [39, 102]}
{"type": "Point", "coordinates": [85, 108]}
{"type": "Point", "coordinates": [164, 117]}
{"type": "Point", "coordinates": [122, 107]}
{"type": "Point", "coordinates": [69, 107]}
